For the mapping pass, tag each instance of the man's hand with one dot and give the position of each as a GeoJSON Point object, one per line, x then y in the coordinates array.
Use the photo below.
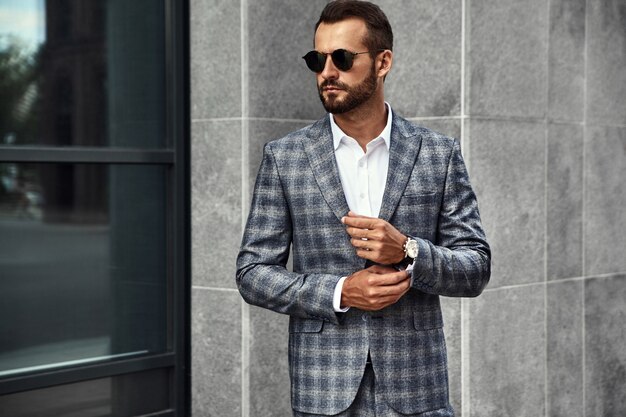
{"type": "Point", "coordinates": [374, 288]}
{"type": "Point", "coordinates": [375, 239]}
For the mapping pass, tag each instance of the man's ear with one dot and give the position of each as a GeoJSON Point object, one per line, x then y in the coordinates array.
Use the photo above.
{"type": "Point", "coordinates": [384, 62]}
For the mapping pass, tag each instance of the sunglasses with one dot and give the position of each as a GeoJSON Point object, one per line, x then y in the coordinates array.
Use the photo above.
{"type": "Point", "coordinates": [342, 59]}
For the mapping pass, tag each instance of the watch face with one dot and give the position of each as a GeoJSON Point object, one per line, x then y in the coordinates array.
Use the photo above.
{"type": "Point", "coordinates": [411, 249]}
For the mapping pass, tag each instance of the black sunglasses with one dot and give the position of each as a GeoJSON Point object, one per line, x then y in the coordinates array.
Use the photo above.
{"type": "Point", "coordinates": [343, 60]}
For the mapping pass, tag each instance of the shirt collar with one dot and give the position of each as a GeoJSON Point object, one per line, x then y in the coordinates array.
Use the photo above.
{"type": "Point", "coordinates": [339, 134]}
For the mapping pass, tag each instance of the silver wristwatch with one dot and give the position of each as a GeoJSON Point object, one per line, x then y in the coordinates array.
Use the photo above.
{"type": "Point", "coordinates": [410, 248]}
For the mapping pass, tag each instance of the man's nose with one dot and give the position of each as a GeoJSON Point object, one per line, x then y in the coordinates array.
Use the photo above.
{"type": "Point", "coordinates": [329, 71]}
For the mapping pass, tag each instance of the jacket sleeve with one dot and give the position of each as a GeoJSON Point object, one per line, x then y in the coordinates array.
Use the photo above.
{"type": "Point", "coordinates": [262, 277]}
{"type": "Point", "coordinates": [459, 264]}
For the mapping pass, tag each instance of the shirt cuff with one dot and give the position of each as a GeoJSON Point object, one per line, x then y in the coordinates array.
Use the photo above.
{"type": "Point", "coordinates": [337, 297]}
{"type": "Point", "coordinates": [410, 270]}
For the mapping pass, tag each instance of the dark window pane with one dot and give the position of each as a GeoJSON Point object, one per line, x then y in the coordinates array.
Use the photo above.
{"type": "Point", "coordinates": [88, 73]}
{"type": "Point", "coordinates": [82, 264]}
{"type": "Point", "coordinates": [124, 395]}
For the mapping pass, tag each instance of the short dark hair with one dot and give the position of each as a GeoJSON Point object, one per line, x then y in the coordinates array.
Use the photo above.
{"type": "Point", "coordinates": [379, 33]}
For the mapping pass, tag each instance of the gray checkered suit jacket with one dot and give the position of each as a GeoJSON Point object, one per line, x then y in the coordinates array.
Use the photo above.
{"type": "Point", "coordinates": [298, 202]}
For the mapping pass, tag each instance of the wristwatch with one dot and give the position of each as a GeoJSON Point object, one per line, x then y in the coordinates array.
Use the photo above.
{"type": "Point", "coordinates": [410, 248]}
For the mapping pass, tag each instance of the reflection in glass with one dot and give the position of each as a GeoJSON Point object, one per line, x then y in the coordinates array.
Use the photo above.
{"type": "Point", "coordinates": [82, 73]}
{"type": "Point", "coordinates": [82, 264]}
{"type": "Point", "coordinates": [125, 395]}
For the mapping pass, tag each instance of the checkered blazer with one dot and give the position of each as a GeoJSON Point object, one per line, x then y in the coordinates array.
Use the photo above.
{"type": "Point", "coordinates": [298, 202]}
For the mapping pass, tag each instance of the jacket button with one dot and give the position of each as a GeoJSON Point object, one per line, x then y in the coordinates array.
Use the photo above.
{"type": "Point", "coordinates": [364, 317]}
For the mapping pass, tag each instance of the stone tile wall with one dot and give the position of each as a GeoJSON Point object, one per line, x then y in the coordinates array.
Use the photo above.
{"type": "Point", "coordinates": [536, 91]}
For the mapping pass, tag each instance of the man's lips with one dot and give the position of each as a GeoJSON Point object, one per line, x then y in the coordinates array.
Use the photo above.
{"type": "Point", "coordinates": [332, 89]}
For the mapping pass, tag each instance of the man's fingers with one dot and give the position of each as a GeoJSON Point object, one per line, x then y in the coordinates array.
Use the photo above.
{"type": "Point", "coordinates": [397, 277]}
{"type": "Point", "coordinates": [360, 222]}
{"type": "Point", "coordinates": [374, 288]}
{"type": "Point", "coordinates": [365, 254]}
{"type": "Point", "coordinates": [389, 278]}
{"type": "Point", "coordinates": [381, 269]}
{"type": "Point", "coordinates": [385, 275]}
{"type": "Point", "coordinates": [360, 243]}
{"type": "Point", "coordinates": [390, 293]}
{"type": "Point", "coordinates": [366, 244]}
{"type": "Point", "coordinates": [358, 233]}
{"type": "Point", "coordinates": [353, 214]}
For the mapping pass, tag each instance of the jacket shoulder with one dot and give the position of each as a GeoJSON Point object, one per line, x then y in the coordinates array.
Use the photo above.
{"type": "Point", "coordinates": [427, 136]}
{"type": "Point", "coordinates": [293, 139]}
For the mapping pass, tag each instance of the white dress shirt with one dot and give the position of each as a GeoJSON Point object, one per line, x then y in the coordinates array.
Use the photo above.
{"type": "Point", "coordinates": [363, 176]}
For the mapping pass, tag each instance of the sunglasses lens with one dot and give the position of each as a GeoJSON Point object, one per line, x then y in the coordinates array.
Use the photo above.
{"type": "Point", "coordinates": [315, 61]}
{"type": "Point", "coordinates": [342, 59]}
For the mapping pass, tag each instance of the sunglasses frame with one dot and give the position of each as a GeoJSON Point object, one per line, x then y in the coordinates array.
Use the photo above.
{"type": "Point", "coordinates": [338, 56]}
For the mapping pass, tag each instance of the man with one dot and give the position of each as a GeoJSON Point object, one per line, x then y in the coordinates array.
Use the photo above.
{"type": "Point", "coordinates": [381, 220]}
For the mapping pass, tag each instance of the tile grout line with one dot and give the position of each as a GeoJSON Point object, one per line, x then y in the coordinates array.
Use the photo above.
{"type": "Point", "coordinates": [584, 188]}
{"type": "Point", "coordinates": [545, 331]}
{"type": "Point", "coordinates": [546, 387]}
{"type": "Point", "coordinates": [245, 359]}
{"type": "Point", "coordinates": [582, 296]}
{"type": "Point", "coordinates": [545, 239]}
{"type": "Point", "coordinates": [245, 310]}
{"type": "Point", "coordinates": [465, 357]}
{"type": "Point", "coordinates": [521, 119]}
{"type": "Point", "coordinates": [584, 347]}
{"type": "Point", "coordinates": [584, 208]}
{"type": "Point", "coordinates": [464, 137]}
{"type": "Point", "coordinates": [204, 288]}
{"type": "Point", "coordinates": [418, 118]}
{"type": "Point", "coordinates": [581, 278]}
{"type": "Point", "coordinates": [557, 281]}
{"type": "Point", "coordinates": [465, 310]}
{"type": "Point", "coordinates": [426, 118]}
{"type": "Point", "coordinates": [545, 268]}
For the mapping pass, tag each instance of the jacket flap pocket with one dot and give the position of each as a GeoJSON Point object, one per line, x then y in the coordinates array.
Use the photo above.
{"type": "Point", "coordinates": [297, 325]}
{"type": "Point", "coordinates": [430, 319]}
{"type": "Point", "coordinates": [421, 197]}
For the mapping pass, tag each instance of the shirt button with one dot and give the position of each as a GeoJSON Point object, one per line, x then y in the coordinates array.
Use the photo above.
{"type": "Point", "coordinates": [362, 195]}
{"type": "Point", "coordinates": [361, 164]}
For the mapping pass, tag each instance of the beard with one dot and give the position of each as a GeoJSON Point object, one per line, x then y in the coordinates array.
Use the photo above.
{"type": "Point", "coordinates": [354, 97]}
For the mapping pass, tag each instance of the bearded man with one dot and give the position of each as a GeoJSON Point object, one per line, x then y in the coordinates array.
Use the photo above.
{"type": "Point", "coordinates": [381, 220]}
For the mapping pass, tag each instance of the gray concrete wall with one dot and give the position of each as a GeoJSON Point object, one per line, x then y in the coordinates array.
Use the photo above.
{"type": "Point", "coordinates": [536, 90]}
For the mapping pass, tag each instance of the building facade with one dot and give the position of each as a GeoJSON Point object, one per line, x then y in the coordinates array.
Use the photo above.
{"type": "Point", "coordinates": [130, 137]}
{"type": "Point", "coordinates": [536, 91]}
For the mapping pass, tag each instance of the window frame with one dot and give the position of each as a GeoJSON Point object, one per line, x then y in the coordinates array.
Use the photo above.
{"type": "Point", "coordinates": [175, 156]}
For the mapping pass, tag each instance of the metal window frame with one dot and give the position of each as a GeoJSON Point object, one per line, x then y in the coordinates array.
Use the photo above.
{"type": "Point", "coordinates": [84, 155]}
{"type": "Point", "coordinates": [176, 157]}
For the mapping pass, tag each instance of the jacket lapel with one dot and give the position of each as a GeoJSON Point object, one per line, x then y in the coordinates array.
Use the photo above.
{"type": "Point", "coordinates": [403, 150]}
{"type": "Point", "coordinates": [319, 149]}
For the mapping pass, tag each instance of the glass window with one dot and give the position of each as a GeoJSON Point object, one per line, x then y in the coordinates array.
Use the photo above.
{"type": "Point", "coordinates": [82, 73]}
{"type": "Point", "coordinates": [94, 201]}
{"type": "Point", "coordinates": [83, 264]}
{"type": "Point", "coordinates": [125, 395]}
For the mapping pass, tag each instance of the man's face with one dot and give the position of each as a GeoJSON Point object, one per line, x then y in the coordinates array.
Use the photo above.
{"type": "Point", "coordinates": [342, 91]}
